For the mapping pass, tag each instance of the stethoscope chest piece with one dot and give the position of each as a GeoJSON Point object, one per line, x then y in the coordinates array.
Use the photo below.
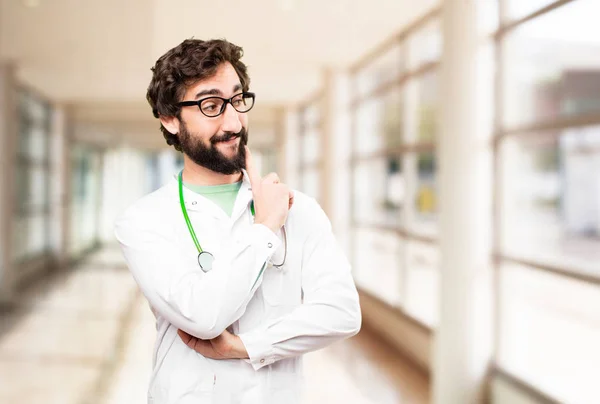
{"type": "Point", "coordinates": [205, 260]}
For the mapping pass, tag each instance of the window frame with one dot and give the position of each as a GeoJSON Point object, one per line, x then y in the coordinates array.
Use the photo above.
{"type": "Point", "coordinates": [24, 163]}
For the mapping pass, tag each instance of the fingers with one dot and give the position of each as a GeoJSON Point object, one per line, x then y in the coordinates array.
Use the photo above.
{"type": "Point", "coordinates": [252, 173]}
{"type": "Point", "coordinates": [185, 337]}
{"type": "Point", "coordinates": [198, 345]}
{"type": "Point", "coordinates": [271, 178]}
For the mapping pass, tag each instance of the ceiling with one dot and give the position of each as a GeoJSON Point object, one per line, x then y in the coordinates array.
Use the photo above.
{"type": "Point", "coordinates": [96, 55]}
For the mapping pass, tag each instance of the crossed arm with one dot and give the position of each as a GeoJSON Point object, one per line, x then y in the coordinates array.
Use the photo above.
{"type": "Point", "coordinates": [330, 310]}
{"type": "Point", "coordinates": [202, 306]}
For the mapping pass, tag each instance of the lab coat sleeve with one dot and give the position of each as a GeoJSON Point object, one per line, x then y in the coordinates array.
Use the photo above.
{"type": "Point", "coordinates": [330, 310]}
{"type": "Point", "coordinates": [201, 304]}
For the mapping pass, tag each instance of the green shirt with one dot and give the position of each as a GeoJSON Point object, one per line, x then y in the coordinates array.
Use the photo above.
{"type": "Point", "coordinates": [223, 195]}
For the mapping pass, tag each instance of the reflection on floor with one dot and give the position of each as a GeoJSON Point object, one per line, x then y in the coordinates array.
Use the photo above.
{"type": "Point", "coordinates": [86, 336]}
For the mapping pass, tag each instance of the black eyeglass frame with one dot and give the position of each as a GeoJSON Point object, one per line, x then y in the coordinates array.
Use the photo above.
{"type": "Point", "coordinates": [244, 94]}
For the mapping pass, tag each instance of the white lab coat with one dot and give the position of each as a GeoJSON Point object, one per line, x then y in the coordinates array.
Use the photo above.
{"type": "Point", "coordinates": [303, 306]}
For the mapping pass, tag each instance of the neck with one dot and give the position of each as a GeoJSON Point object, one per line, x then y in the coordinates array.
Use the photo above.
{"type": "Point", "coordinates": [197, 175]}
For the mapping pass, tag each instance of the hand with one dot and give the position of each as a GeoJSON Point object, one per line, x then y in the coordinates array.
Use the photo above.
{"type": "Point", "coordinates": [225, 346]}
{"type": "Point", "coordinates": [272, 200]}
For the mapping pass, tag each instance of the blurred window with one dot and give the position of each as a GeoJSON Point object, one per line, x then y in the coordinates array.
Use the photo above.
{"type": "Point", "coordinates": [394, 201]}
{"type": "Point", "coordinates": [548, 190]}
{"type": "Point", "coordinates": [31, 223]}
{"type": "Point", "coordinates": [551, 198]}
{"type": "Point", "coordinates": [311, 181]}
{"type": "Point", "coordinates": [381, 70]}
{"type": "Point", "coordinates": [378, 263]}
{"type": "Point", "coordinates": [379, 191]}
{"type": "Point", "coordinates": [516, 9]}
{"type": "Point", "coordinates": [310, 147]}
{"type": "Point", "coordinates": [85, 198]}
{"type": "Point", "coordinates": [551, 72]}
{"type": "Point", "coordinates": [549, 332]}
{"type": "Point", "coordinates": [422, 278]}
{"type": "Point", "coordinates": [425, 46]}
{"type": "Point", "coordinates": [427, 108]}
{"type": "Point", "coordinates": [266, 159]}
{"type": "Point", "coordinates": [379, 123]}
{"type": "Point", "coordinates": [423, 195]}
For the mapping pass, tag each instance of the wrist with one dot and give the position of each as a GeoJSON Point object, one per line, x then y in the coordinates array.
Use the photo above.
{"type": "Point", "coordinates": [239, 350]}
{"type": "Point", "coordinates": [273, 227]}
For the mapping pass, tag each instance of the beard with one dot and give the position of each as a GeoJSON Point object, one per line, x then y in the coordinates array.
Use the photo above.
{"type": "Point", "coordinates": [209, 156]}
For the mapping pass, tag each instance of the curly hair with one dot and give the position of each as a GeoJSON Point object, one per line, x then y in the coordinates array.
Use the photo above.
{"type": "Point", "coordinates": [183, 66]}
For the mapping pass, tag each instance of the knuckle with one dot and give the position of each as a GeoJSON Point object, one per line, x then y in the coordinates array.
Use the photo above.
{"type": "Point", "coordinates": [270, 178]}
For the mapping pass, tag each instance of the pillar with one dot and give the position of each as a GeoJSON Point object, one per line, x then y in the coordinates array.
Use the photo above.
{"type": "Point", "coordinates": [463, 340]}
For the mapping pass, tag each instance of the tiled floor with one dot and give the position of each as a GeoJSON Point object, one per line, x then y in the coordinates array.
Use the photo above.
{"type": "Point", "coordinates": [86, 338]}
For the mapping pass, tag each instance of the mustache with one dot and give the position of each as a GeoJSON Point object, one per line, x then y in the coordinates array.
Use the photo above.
{"type": "Point", "coordinates": [227, 136]}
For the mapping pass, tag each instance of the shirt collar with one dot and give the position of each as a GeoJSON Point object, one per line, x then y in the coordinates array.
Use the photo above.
{"type": "Point", "coordinates": [198, 203]}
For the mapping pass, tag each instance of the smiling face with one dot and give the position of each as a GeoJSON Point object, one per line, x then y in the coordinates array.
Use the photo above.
{"type": "Point", "coordinates": [216, 143]}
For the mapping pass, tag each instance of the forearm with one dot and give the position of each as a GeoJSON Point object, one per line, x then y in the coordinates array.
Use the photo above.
{"type": "Point", "coordinates": [311, 326]}
{"type": "Point", "coordinates": [205, 307]}
{"type": "Point", "coordinates": [201, 304]}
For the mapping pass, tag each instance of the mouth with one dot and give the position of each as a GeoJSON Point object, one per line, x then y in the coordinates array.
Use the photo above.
{"type": "Point", "coordinates": [228, 140]}
{"type": "Point", "coordinates": [231, 141]}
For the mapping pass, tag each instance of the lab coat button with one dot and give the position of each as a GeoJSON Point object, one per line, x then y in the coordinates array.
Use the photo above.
{"type": "Point", "coordinates": [270, 245]}
{"type": "Point", "coordinates": [262, 361]}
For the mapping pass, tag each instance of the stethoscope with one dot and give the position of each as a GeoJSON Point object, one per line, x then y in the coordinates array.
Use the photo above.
{"type": "Point", "coordinates": [205, 258]}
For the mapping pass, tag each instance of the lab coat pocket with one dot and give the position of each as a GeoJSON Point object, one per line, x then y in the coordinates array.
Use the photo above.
{"type": "Point", "coordinates": [196, 396]}
{"type": "Point", "coordinates": [285, 381]}
{"type": "Point", "coordinates": [277, 286]}
{"type": "Point", "coordinates": [185, 377]}
{"type": "Point", "coordinates": [281, 285]}
{"type": "Point", "coordinates": [192, 396]}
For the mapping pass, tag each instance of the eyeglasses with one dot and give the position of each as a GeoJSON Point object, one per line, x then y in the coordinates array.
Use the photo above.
{"type": "Point", "coordinates": [215, 106]}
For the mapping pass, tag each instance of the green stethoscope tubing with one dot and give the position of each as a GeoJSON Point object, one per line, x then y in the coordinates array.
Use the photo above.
{"type": "Point", "coordinates": [209, 257]}
{"type": "Point", "coordinates": [187, 218]}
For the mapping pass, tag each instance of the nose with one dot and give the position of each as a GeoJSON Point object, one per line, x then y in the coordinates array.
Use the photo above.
{"type": "Point", "coordinates": [231, 120]}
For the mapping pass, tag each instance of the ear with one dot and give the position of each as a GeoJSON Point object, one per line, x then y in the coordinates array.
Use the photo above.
{"type": "Point", "coordinates": [171, 123]}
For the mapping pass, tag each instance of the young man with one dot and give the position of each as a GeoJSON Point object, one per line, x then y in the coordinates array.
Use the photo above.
{"type": "Point", "coordinates": [243, 274]}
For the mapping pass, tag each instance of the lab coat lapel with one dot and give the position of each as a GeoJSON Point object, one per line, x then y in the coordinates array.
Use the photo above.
{"type": "Point", "coordinates": [244, 197]}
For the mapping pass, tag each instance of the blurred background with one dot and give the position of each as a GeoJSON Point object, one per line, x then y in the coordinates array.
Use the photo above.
{"type": "Point", "coordinates": [455, 146]}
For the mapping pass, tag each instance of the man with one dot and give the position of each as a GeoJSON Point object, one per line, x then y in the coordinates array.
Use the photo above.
{"type": "Point", "coordinates": [243, 275]}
